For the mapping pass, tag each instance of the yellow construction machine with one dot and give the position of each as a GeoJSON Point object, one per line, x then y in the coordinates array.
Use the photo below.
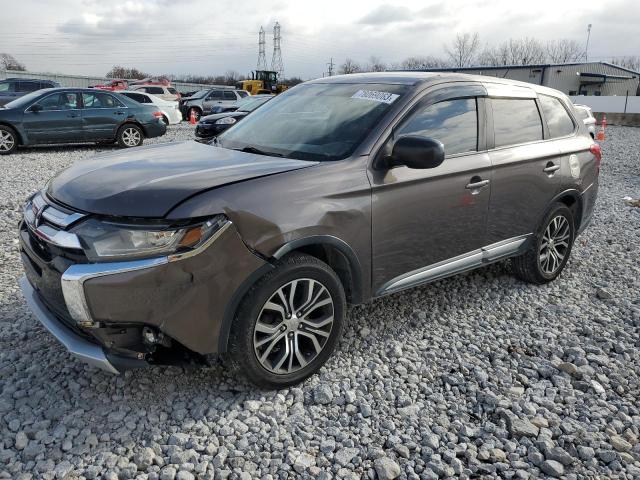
{"type": "Point", "coordinates": [262, 81]}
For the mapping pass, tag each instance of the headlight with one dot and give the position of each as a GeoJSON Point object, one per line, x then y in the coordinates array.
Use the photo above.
{"type": "Point", "coordinates": [110, 241]}
{"type": "Point", "coordinates": [226, 121]}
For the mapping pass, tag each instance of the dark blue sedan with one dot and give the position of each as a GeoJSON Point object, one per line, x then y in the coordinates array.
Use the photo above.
{"type": "Point", "coordinates": [76, 115]}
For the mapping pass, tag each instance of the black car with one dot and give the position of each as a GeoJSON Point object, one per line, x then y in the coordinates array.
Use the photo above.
{"type": "Point", "coordinates": [12, 88]}
{"type": "Point", "coordinates": [77, 115]}
{"type": "Point", "coordinates": [213, 125]}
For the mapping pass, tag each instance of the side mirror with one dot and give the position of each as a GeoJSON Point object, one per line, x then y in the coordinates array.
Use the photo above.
{"type": "Point", "coordinates": [35, 108]}
{"type": "Point", "coordinates": [417, 152]}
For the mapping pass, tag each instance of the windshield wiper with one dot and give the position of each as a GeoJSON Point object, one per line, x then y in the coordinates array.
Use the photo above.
{"type": "Point", "coordinates": [257, 151]}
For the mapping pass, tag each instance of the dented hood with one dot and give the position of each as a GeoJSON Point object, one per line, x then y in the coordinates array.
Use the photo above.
{"type": "Point", "coordinates": [150, 181]}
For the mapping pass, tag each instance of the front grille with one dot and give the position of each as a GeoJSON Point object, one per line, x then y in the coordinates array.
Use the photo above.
{"type": "Point", "coordinates": [45, 256]}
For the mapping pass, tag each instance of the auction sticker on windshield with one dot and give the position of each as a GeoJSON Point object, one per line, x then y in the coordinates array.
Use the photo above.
{"type": "Point", "coordinates": [376, 96]}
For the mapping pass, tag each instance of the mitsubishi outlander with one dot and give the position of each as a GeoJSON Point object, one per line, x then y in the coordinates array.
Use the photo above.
{"type": "Point", "coordinates": [338, 191]}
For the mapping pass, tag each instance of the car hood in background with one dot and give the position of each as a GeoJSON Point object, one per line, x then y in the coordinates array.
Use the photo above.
{"type": "Point", "coordinates": [213, 118]}
{"type": "Point", "coordinates": [150, 181]}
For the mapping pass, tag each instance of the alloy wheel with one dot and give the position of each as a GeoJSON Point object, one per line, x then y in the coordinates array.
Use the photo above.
{"type": "Point", "coordinates": [7, 141]}
{"type": "Point", "coordinates": [554, 245]}
{"type": "Point", "coordinates": [293, 326]}
{"type": "Point", "coordinates": [131, 137]}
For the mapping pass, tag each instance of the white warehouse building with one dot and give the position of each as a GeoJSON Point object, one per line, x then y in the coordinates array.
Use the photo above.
{"type": "Point", "coordinates": [588, 78]}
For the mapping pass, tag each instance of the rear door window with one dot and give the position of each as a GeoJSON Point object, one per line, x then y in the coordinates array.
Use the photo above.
{"type": "Point", "coordinates": [100, 100]}
{"type": "Point", "coordinates": [230, 96]}
{"type": "Point", "coordinates": [452, 122]}
{"type": "Point", "coordinates": [172, 91]}
{"type": "Point", "coordinates": [558, 120]}
{"type": "Point", "coordinates": [6, 87]}
{"type": "Point", "coordinates": [138, 97]}
{"type": "Point", "coordinates": [154, 90]}
{"type": "Point", "coordinates": [515, 121]}
{"type": "Point", "coordinates": [28, 86]}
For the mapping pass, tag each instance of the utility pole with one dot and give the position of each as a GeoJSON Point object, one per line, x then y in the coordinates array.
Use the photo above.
{"type": "Point", "coordinates": [276, 60]}
{"type": "Point", "coordinates": [330, 65]}
{"type": "Point", "coordinates": [262, 59]}
{"type": "Point", "coordinates": [586, 50]}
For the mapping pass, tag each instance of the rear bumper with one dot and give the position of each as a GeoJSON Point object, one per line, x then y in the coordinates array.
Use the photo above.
{"type": "Point", "coordinates": [154, 129]}
{"type": "Point", "coordinates": [76, 345]}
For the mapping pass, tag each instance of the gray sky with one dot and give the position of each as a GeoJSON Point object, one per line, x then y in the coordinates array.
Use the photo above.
{"type": "Point", "coordinates": [210, 37]}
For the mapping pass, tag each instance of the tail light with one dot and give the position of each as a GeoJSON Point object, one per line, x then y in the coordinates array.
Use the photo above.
{"type": "Point", "coordinates": [157, 114]}
{"type": "Point", "coordinates": [597, 152]}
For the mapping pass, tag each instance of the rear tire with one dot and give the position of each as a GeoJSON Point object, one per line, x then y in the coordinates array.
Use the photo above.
{"type": "Point", "coordinates": [8, 140]}
{"type": "Point", "coordinates": [130, 135]}
{"type": "Point", "coordinates": [288, 323]}
{"type": "Point", "coordinates": [550, 248]}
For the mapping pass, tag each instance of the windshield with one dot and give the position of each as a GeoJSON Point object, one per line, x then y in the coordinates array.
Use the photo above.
{"type": "Point", "coordinates": [250, 104]}
{"type": "Point", "coordinates": [314, 121]}
{"type": "Point", "coordinates": [200, 93]}
{"type": "Point", "coordinates": [25, 99]}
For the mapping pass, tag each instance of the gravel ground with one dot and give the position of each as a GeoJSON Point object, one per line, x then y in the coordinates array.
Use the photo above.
{"type": "Point", "coordinates": [474, 376]}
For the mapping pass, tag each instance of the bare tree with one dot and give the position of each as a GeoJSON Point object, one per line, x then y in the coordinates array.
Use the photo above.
{"type": "Point", "coordinates": [631, 62]}
{"type": "Point", "coordinates": [564, 50]}
{"type": "Point", "coordinates": [9, 62]}
{"type": "Point", "coordinates": [375, 64]}
{"type": "Point", "coordinates": [423, 63]}
{"type": "Point", "coordinates": [463, 50]}
{"type": "Point", "coordinates": [523, 51]}
{"type": "Point", "coordinates": [350, 66]}
{"type": "Point", "coordinates": [124, 72]}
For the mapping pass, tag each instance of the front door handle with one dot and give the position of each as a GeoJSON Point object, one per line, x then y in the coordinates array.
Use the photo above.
{"type": "Point", "coordinates": [118, 113]}
{"type": "Point", "coordinates": [551, 168]}
{"type": "Point", "coordinates": [476, 184]}
{"type": "Point", "coordinates": [72, 115]}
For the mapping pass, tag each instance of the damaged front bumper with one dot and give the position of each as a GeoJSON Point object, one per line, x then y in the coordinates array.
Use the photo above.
{"type": "Point", "coordinates": [105, 313]}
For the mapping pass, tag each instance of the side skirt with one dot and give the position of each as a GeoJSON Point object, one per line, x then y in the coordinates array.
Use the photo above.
{"type": "Point", "coordinates": [462, 263]}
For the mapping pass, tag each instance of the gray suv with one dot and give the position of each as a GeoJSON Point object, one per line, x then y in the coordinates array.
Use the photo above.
{"type": "Point", "coordinates": [12, 88]}
{"type": "Point", "coordinates": [201, 103]}
{"type": "Point", "coordinates": [339, 191]}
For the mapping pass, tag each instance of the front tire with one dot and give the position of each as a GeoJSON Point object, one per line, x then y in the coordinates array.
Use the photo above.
{"type": "Point", "coordinates": [130, 136]}
{"type": "Point", "coordinates": [550, 250]}
{"type": "Point", "coordinates": [8, 140]}
{"type": "Point", "coordinates": [288, 324]}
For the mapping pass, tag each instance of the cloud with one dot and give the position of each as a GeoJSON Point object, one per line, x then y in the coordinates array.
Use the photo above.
{"type": "Point", "coordinates": [386, 14]}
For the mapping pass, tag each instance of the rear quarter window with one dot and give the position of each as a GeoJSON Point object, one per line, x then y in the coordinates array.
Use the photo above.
{"type": "Point", "coordinates": [558, 120]}
{"type": "Point", "coordinates": [515, 121]}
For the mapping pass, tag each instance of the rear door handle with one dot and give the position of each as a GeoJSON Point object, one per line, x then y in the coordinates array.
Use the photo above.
{"type": "Point", "coordinates": [72, 115]}
{"type": "Point", "coordinates": [118, 113]}
{"type": "Point", "coordinates": [551, 168]}
{"type": "Point", "coordinates": [476, 184]}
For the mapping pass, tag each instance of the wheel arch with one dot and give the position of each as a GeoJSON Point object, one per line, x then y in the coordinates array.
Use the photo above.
{"type": "Point", "coordinates": [130, 121]}
{"type": "Point", "coordinates": [337, 254]}
{"type": "Point", "coordinates": [333, 251]}
{"type": "Point", "coordinates": [573, 200]}
{"type": "Point", "coordinates": [18, 133]}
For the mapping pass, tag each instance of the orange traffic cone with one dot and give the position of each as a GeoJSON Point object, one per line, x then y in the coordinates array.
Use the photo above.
{"type": "Point", "coordinates": [192, 118]}
{"type": "Point", "coordinates": [600, 136]}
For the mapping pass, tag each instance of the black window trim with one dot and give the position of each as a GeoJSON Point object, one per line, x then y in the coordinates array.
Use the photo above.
{"type": "Point", "coordinates": [491, 141]}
